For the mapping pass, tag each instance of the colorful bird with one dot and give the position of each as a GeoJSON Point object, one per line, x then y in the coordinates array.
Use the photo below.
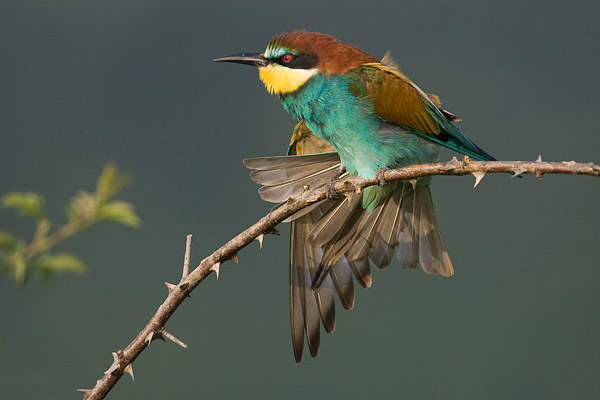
{"type": "Point", "coordinates": [374, 117]}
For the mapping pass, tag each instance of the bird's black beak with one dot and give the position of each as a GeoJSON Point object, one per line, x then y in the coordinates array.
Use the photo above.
{"type": "Point", "coordinates": [256, 59]}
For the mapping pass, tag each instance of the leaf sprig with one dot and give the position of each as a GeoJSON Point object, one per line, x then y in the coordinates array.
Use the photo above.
{"type": "Point", "coordinates": [19, 259]}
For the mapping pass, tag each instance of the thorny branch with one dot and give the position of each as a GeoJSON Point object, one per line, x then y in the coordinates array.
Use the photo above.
{"type": "Point", "coordinates": [155, 329]}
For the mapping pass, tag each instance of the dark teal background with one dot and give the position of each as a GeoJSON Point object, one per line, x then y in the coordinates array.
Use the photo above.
{"type": "Point", "coordinates": [82, 83]}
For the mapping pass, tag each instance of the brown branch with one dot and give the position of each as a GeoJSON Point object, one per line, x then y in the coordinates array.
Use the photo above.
{"type": "Point", "coordinates": [454, 167]}
{"type": "Point", "coordinates": [155, 329]}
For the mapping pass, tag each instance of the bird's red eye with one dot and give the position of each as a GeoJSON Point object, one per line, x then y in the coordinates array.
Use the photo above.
{"type": "Point", "coordinates": [287, 58]}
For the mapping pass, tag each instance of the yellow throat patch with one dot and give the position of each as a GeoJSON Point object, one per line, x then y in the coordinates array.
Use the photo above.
{"type": "Point", "coordinates": [281, 80]}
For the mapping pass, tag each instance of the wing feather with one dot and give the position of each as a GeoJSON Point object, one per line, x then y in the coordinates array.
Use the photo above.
{"type": "Point", "coordinates": [398, 100]}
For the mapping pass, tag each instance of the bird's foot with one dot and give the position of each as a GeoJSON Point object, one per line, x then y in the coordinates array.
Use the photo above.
{"type": "Point", "coordinates": [380, 176]}
{"type": "Point", "coordinates": [330, 186]}
{"type": "Point", "coordinates": [331, 193]}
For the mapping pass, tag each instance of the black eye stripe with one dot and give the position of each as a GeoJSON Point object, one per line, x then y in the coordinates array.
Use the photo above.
{"type": "Point", "coordinates": [300, 61]}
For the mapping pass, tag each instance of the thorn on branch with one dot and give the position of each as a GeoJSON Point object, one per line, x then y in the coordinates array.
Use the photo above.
{"type": "Point", "coordinates": [86, 392]}
{"type": "Point", "coordinates": [153, 336]}
{"type": "Point", "coordinates": [170, 286]}
{"type": "Point", "coordinates": [467, 159]}
{"type": "Point", "coordinates": [539, 159]}
{"type": "Point", "coordinates": [478, 177]}
{"type": "Point", "coordinates": [216, 268]}
{"type": "Point", "coordinates": [129, 370]}
{"type": "Point", "coordinates": [235, 258]}
{"type": "Point", "coordinates": [518, 172]}
{"type": "Point", "coordinates": [114, 367]}
{"type": "Point", "coordinates": [539, 175]}
{"type": "Point", "coordinates": [173, 338]}
{"type": "Point", "coordinates": [260, 239]}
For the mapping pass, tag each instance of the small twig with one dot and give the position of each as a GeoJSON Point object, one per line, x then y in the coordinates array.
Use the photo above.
{"type": "Point", "coordinates": [178, 293]}
{"type": "Point", "coordinates": [186, 257]}
{"type": "Point", "coordinates": [173, 338]}
{"type": "Point", "coordinates": [40, 244]}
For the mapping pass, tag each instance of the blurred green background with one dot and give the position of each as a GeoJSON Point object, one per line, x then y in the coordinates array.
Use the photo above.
{"type": "Point", "coordinates": [82, 83]}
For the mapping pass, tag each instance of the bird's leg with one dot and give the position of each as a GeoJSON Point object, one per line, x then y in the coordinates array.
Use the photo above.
{"type": "Point", "coordinates": [380, 176]}
{"type": "Point", "coordinates": [330, 186]}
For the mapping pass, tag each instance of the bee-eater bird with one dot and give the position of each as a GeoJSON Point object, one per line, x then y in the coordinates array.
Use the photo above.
{"type": "Point", "coordinates": [374, 117]}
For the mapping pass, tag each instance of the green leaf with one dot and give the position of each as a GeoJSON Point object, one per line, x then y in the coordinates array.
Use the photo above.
{"type": "Point", "coordinates": [27, 203]}
{"type": "Point", "coordinates": [62, 262]}
{"type": "Point", "coordinates": [119, 211]}
{"type": "Point", "coordinates": [18, 267]}
{"type": "Point", "coordinates": [8, 241]}
{"type": "Point", "coordinates": [110, 183]}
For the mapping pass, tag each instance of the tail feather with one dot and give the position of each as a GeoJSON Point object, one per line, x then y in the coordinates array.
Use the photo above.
{"type": "Point", "coordinates": [307, 305]}
{"type": "Point", "coordinates": [330, 223]}
{"type": "Point", "coordinates": [324, 296]}
{"type": "Point", "coordinates": [433, 256]}
{"type": "Point", "coordinates": [386, 240]}
{"type": "Point", "coordinates": [339, 244]}
{"type": "Point", "coordinates": [335, 240]}
{"type": "Point", "coordinates": [365, 238]}
{"type": "Point", "coordinates": [326, 301]}
{"type": "Point", "coordinates": [420, 241]}
{"type": "Point", "coordinates": [408, 239]}
{"type": "Point", "coordinates": [297, 308]}
{"type": "Point", "coordinates": [362, 272]}
{"type": "Point", "coordinates": [341, 275]}
{"type": "Point", "coordinates": [376, 235]}
{"type": "Point", "coordinates": [304, 308]}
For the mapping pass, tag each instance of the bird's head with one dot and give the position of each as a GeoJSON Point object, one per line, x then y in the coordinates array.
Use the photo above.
{"type": "Point", "coordinates": [291, 59]}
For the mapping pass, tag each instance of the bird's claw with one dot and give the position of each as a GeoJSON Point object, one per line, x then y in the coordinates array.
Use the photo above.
{"type": "Point", "coordinates": [380, 176]}
{"type": "Point", "coordinates": [330, 186]}
{"type": "Point", "coordinates": [331, 193]}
